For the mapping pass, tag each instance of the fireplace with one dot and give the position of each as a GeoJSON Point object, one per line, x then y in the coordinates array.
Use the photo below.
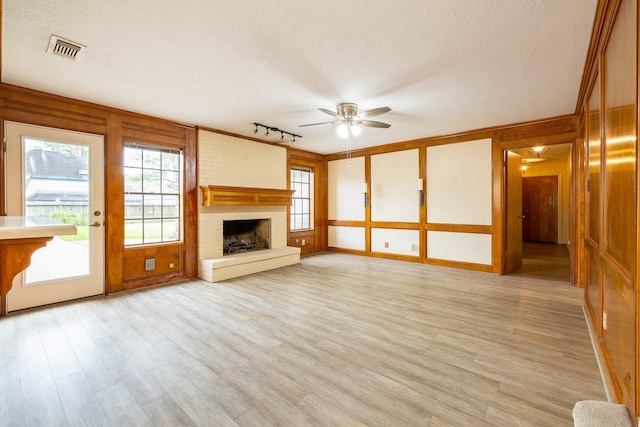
{"type": "Point", "coordinates": [245, 235]}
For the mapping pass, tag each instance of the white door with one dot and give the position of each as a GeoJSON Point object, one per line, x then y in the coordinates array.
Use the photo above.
{"type": "Point", "coordinates": [57, 174]}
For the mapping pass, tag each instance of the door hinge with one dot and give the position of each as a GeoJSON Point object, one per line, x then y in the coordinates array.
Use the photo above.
{"type": "Point", "coordinates": [588, 185]}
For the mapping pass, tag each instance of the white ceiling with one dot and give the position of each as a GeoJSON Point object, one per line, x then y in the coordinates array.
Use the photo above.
{"type": "Point", "coordinates": [441, 66]}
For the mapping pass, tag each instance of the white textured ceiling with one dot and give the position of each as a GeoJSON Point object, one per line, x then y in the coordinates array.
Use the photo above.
{"type": "Point", "coordinates": [441, 66]}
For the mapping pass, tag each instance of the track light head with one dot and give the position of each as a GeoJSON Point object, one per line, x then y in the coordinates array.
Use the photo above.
{"type": "Point", "coordinates": [275, 130]}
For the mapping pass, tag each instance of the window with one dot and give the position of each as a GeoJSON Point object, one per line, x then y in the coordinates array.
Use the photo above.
{"type": "Point", "coordinates": [301, 206]}
{"type": "Point", "coordinates": [152, 194]}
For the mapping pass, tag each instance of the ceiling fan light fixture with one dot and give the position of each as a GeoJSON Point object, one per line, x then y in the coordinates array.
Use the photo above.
{"type": "Point", "coordinates": [342, 130]}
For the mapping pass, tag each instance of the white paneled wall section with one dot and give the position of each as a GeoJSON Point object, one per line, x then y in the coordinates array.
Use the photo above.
{"type": "Point", "coordinates": [459, 191]}
{"type": "Point", "coordinates": [394, 193]}
{"type": "Point", "coordinates": [346, 198]}
{"type": "Point", "coordinates": [459, 183]}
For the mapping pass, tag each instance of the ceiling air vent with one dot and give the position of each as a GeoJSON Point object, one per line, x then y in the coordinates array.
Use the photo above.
{"type": "Point", "coordinates": [65, 48]}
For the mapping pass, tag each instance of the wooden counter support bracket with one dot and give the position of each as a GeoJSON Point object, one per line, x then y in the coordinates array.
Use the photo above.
{"type": "Point", "coordinates": [15, 256]}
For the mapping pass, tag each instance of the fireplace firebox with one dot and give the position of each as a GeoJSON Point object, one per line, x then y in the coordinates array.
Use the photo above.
{"type": "Point", "coordinates": [245, 235]}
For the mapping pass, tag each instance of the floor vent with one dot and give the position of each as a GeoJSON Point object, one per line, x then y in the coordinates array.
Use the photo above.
{"type": "Point", "coordinates": [65, 48]}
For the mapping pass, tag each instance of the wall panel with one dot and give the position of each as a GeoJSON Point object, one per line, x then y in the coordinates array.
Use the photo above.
{"type": "Point", "coordinates": [347, 237]}
{"type": "Point", "coordinates": [345, 189]}
{"type": "Point", "coordinates": [394, 191]}
{"type": "Point", "coordinates": [459, 183]}
{"type": "Point", "coordinates": [462, 247]}
{"type": "Point", "coordinates": [395, 241]}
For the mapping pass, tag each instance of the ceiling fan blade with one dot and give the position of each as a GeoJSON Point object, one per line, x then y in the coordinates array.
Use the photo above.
{"type": "Point", "coordinates": [335, 122]}
{"type": "Point", "coordinates": [371, 124]}
{"type": "Point", "coordinates": [374, 112]}
{"type": "Point", "coordinates": [331, 113]}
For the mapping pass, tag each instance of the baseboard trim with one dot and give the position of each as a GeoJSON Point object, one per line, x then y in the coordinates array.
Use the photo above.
{"type": "Point", "coordinates": [597, 350]}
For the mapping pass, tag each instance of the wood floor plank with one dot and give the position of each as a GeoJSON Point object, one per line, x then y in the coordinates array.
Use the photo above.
{"type": "Point", "coordinates": [190, 398]}
{"type": "Point", "coordinates": [164, 411]}
{"type": "Point", "coordinates": [335, 340]}
{"type": "Point", "coordinates": [80, 405]}
{"type": "Point", "coordinates": [42, 405]}
{"type": "Point", "coordinates": [12, 407]}
{"type": "Point", "coordinates": [120, 407]}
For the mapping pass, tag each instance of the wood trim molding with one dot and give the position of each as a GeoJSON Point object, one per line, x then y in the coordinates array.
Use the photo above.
{"type": "Point", "coordinates": [460, 228]}
{"type": "Point", "coordinates": [218, 195]}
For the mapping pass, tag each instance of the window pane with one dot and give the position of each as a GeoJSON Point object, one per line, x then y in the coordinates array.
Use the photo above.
{"type": "Point", "coordinates": [170, 229]}
{"type": "Point", "coordinates": [305, 222]}
{"type": "Point", "coordinates": [305, 177]}
{"type": "Point", "coordinates": [170, 181]}
{"type": "Point", "coordinates": [305, 206]}
{"type": "Point", "coordinates": [304, 191]}
{"type": "Point", "coordinates": [152, 206]}
{"type": "Point", "coordinates": [132, 206]}
{"type": "Point", "coordinates": [152, 231]}
{"type": "Point", "coordinates": [133, 157]}
{"type": "Point", "coordinates": [170, 207]}
{"type": "Point", "coordinates": [132, 180]}
{"type": "Point", "coordinates": [171, 161]}
{"type": "Point", "coordinates": [151, 159]}
{"type": "Point", "coordinates": [132, 232]}
{"type": "Point", "coordinates": [151, 181]}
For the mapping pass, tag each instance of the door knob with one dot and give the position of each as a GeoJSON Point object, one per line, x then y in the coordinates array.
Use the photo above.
{"type": "Point", "coordinates": [95, 224]}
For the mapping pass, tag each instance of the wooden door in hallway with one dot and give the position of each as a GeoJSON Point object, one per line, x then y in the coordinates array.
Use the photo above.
{"type": "Point", "coordinates": [540, 209]}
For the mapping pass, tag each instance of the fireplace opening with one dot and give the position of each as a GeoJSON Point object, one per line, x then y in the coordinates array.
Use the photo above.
{"type": "Point", "coordinates": [245, 235]}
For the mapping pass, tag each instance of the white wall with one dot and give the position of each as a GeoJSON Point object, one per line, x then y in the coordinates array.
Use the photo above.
{"type": "Point", "coordinates": [400, 242]}
{"type": "Point", "coordinates": [345, 195]}
{"type": "Point", "coordinates": [347, 238]}
{"type": "Point", "coordinates": [459, 183]}
{"type": "Point", "coordinates": [394, 190]}
{"type": "Point", "coordinates": [463, 247]}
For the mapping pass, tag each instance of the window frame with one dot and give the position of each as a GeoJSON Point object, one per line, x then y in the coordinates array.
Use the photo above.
{"type": "Point", "coordinates": [179, 194]}
{"type": "Point", "coordinates": [311, 188]}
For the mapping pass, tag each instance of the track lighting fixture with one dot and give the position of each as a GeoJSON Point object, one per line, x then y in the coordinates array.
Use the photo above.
{"type": "Point", "coordinates": [275, 130]}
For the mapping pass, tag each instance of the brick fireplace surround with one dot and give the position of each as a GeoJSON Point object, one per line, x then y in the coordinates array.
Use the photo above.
{"type": "Point", "coordinates": [262, 166]}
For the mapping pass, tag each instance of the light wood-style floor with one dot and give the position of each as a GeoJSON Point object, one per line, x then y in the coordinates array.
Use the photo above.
{"type": "Point", "coordinates": [337, 340]}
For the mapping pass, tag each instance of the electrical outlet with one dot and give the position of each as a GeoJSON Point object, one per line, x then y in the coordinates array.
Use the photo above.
{"type": "Point", "coordinates": [150, 264]}
{"type": "Point", "coordinates": [170, 265]}
{"type": "Point", "coordinates": [386, 244]}
{"type": "Point", "coordinates": [604, 320]}
{"type": "Point", "coordinates": [304, 242]}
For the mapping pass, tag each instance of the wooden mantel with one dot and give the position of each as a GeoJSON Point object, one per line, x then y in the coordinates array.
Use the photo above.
{"type": "Point", "coordinates": [218, 195]}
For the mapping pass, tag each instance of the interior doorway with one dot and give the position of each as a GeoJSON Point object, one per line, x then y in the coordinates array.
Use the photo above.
{"type": "Point", "coordinates": [546, 204]}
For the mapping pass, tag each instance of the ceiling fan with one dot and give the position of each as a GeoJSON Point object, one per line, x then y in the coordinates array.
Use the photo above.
{"type": "Point", "coordinates": [347, 114]}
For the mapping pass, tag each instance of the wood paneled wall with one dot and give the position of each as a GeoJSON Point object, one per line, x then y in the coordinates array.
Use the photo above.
{"type": "Point", "coordinates": [124, 267]}
{"type": "Point", "coordinates": [556, 130]}
{"type": "Point", "coordinates": [607, 183]}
